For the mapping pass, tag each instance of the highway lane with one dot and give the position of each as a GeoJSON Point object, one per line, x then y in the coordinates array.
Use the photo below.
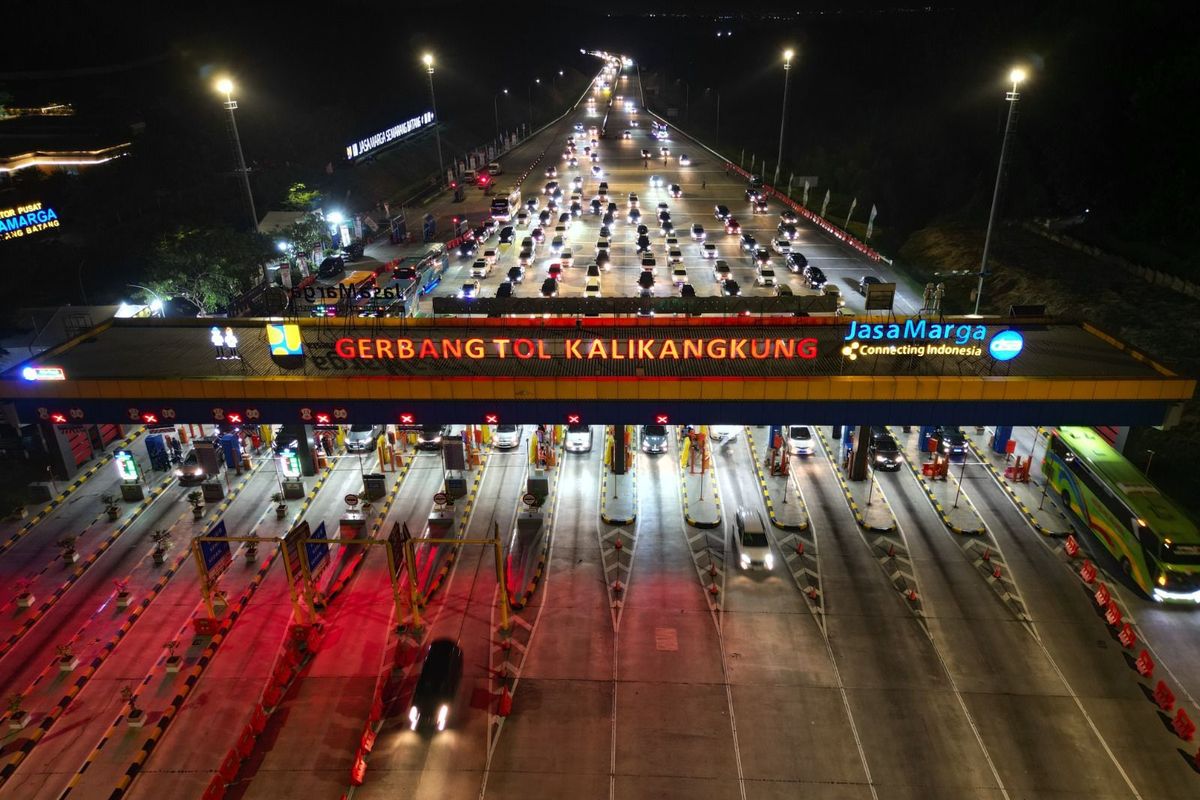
{"type": "Point", "coordinates": [451, 763]}
{"type": "Point", "coordinates": [1077, 642]}
{"type": "Point", "coordinates": [793, 729]}
{"type": "Point", "coordinates": [893, 679]}
{"type": "Point", "coordinates": [559, 738]}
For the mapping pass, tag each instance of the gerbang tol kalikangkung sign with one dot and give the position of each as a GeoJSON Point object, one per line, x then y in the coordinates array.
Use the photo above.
{"type": "Point", "coordinates": [576, 349]}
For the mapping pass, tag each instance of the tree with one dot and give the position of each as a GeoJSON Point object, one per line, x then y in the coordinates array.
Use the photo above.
{"type": "Point", "coordinates": [208, 266]}
{"type": "Point", "coordinates": [301, 198]}
{"type": "Point", "coordinates": [305, 233]}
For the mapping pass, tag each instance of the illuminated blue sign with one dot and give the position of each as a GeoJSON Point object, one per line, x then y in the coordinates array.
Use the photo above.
{"type": "Point", "coordinates": [1006, 345]}
{"type": "Point", "coordinates": [24, 220]}
{"type": "Point", "coordinates": [916, 330]}
{"type": "Point", "coordinates": [392, 134]}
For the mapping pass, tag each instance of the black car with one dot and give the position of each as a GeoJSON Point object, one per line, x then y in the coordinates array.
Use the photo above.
{"type": "Point", "coordinates": [605, 232]}
{"type": "Point", "coordinates": [549, 288]}
{"type": "Point", "coordinates": [814, 277]}
{"type": "Point", "coordinates": [516, 274]}
{"type": "Point", "coordinates": [788, 216]}
{"type": "Point", "coordinates": [730, 288]}
{"type": "Point", "coordinates": [761, 256]}
{"type": "Point", "coordinates": [787, 230]}
{"type": "Point", "coordinates": [467, 249]}
{"type": "Point", "coordinates": [722, 213]}
{"type": "Point", "coordinates": [885, 453]}
{"type": "Point", "coordinates": [634, 215]}
{"type": "Point", "coordinates": [595, 206]}
{"type": "Point", "coordinates": [748, 242]}
{"type": "Point", "coordinates": [504, 290]}
{"type": "Point", "coordinates": [643, 243]}
{"type": "Point", "coordinates": [538, 235]}
{"type": "Point", "coordinates": [433, 698]}
{"type": "Point", "coordinates": [607, 219]}
{"type": "Point", "coordinates": [866, 281]}
{"type": "Point", "coordinates": [576, 209]}
{"type": "Point", "coordinates": [430, 437]}
{"type": "Point", "coordinates": [544, 216]}
{"type": "Point", "coordinates": [331, 267]}
{"type": "Point", "coordinates": [687, 290]}
{"type": "Point", "coordinates": [507, 234]}
{"type": "Point", "coordinates": [642, 230]}
{"type": "Point", "coordinates": [796, 262]}
{"type": "Point", "coordinates": [190, 473]}
{"type": "Point", "coordinates": [564, 218]}
{"type": "Point", "coordinates": [951, 442]}
{"type": "Point", "coordinates": [675, 190]}
{"type": "Point", "coordinates": [664, 216]}
{"type": "Point", "coordinates": [602, 258]}
{"type": "Point", "coordinates": [646, 279]}
{"type": "Point", "coordinates": [612, 208]}
{"type": "Point", "coordinates": [752, 195]}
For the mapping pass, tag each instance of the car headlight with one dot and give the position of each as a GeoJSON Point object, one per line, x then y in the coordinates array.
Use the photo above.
{"type": "Point", "coordinates": [769, 561]}
{"type": "Point", "coordinates": [413, 717]}
{"type": "Point", "coordinates": [744, 561]}
{"type": "Point", "coordinates": [443, 712]}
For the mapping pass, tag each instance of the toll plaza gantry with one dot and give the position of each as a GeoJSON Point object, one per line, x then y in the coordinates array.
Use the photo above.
{"type": "Point", "coordinates": [620, 368]}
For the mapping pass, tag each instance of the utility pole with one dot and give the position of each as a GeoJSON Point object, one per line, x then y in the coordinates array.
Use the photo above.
{"type": "Point", "coordinates": [1016, 76]}
{"type": "Point", "coordinates": [787, 70]}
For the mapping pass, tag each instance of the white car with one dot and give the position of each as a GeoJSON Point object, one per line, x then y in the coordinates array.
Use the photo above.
{"type": "Point", "coordinates": [556, 244]}
{"type": "Point", "coordinates": [710, 250]}
{"type": "Point", "coordinates": [566, 258]}
{"type": "Point", "coordinates": [506, 437]}
{"type": "Point", "coordinates": [765, 276]}
{"type": "Point", "coordinates": [578, 439]}
{"type": "Point", "coordinates": [750, 540]}
{"type": "Point", "coordinates": [684, 161]}
{"type": "Point", "coordinates": [656, 181]}
{"type": "Point", "coordinates": [698, 232]}
{"type": "Point", "coordinates": [469, 290]}
{"type": "Point", "coordinates": [801, 441]}
{"type": "Point", "coordinates": [592, 289]}
{"type": "Point", "coordinates": [782, 246]}
{"type": "Point", "coordinates": [522, 219]}
{"type": "Point", "coordinates": [633, 200]}
{"type": "Point", "coordinates": [723, 434]}
{"type": "Point", "coordinates": [674, 257]}
{"type": "Point", "coordinates": [481, 268]}
{"type": "Point", "coordinates": [679, 275]}
{"type": "Point", "coordinates": [490, 256]}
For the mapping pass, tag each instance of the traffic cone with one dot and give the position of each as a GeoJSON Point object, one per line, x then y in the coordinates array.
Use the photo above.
{"type": "Point", "coordinates": [505, 702]}
{"type": "Point", "coordinates": [799, 548]}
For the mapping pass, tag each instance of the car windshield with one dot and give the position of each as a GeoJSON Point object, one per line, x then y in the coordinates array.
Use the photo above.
{"type": "Point", "coordinates": [506, 429]}
{"type": "Point", "coordinates": [800, 432]}
{"type": "Point", "coordinates": [431, 430]}
{"type": "Point", "coordinates": [655, 430]}
{"type": "Point", "coordinates": [885, 443]}
{"type": "Point", "coordinates": [361, 428]}
{"type": "Point", "coordinates": [751, 539]}
{"type": "Point", "coordinates": [577, 429]}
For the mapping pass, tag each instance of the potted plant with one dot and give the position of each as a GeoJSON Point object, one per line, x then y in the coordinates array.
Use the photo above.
{"type": "Point", "coordinates": [136, 717]}
{"type": "Point", "coordinates": [196, 498]}
{"type": "Point", "coordinates": [18, 717]}
{"type": "Point", "coordinates": [173, 661]}
{"type": "Point", "coordinates": [111, 508]}
{"type": "Point", "coordinates": [24, 593]}
{"type": "Point", "coordinates": [162, 540]}
{"type": "Point", "coordinates": [365, 503]}
{"type": "Point", "coordinates": [252, 550]}
{"type": "Point", "coordinates": [67, 543]}
{"type": "Point", "coordinates": [67, 660]}
{"type": "Point", "coordinates": [280, 505]}
{"type": "Point", "coordinates": [220, 599]}
{"type": "Point", "coordinates": [122, 592]}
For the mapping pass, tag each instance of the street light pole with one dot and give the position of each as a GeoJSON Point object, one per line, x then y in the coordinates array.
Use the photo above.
{"type": "Point", "coordinates": [225, 87]}
{"type": "Point", "coordinates": [717, 137]}
{"type": "Point", "coordinates": [428, 59]}
{"type": "Point", "coordinates": [1016, 76]}
{"type": "Point", "coordinates": [496, 109]}
{"type": "Point", "coordinates": [529, 91]}
{"type": "Point", "coordinates": [787, 70]}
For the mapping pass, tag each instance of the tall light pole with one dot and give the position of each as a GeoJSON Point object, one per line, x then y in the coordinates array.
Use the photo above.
{"type": "Point", "coordinates": [717, 135]}
{"type": "Point", "coordinates": [787, 69]}
{"type": "Point", "coordinates": [496, 109]}
{"type": "Point", "coordinates": [1016, 76]}
{"type": "Point", "coordinates": [225, 87]}
{"type": "Point", "coordinates": [555, 79]}
{"type": "Point", "coordinates": [437, 130]}
{"type": "Point", "coordinates": [529, 91]}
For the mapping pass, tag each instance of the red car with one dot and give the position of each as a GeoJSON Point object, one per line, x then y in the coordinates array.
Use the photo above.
{"type": "Point", "coordinates": [732, 226]}
{"type": "Point", "coordinates": [555, 271]}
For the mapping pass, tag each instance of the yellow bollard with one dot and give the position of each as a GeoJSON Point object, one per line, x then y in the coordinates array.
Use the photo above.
{"type": "Point", "coordinates": [487, 434]}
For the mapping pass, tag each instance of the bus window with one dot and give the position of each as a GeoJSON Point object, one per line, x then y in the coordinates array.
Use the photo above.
{"type": "Point", "coordinates": [1147, 538]}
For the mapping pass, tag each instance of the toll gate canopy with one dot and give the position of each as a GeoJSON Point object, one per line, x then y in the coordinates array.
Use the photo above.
{"type": "Point", "coordinates": [732, 370]}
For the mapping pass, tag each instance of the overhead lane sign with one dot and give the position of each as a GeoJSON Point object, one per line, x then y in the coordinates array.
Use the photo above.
{"type": "Point", "coordinates": [388, 136]}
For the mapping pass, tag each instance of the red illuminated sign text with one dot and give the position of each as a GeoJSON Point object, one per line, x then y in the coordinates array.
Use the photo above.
{"type": "Point", "coordinates": [717, 349]}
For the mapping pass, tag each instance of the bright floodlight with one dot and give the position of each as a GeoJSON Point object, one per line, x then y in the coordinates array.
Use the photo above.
{"type": "Point", "coordinates": [156, 305]}
{"type": "Point", "coordinates": [335, 217]}
{"type": "Point", "coordinates": [787, 55]}
{"type": "Point", "coordinates": [427, 59]}
{"type": "Point", "coordinates": [225, 86]}
{"type": "Point", "coordinates": [1017, 75]}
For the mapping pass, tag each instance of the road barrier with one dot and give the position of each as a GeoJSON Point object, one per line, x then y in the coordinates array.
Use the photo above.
{"type": "Point", "coordinates": [1183, 725]}
{"type": "Point", "coordinates": [1087, 571]}
{"type": "Point", "coordinates": [1145, 665]}
{"type": "Point", "coordinates": [1164, 698]}
{"type": "Point", "coordinates": [1071, 546]}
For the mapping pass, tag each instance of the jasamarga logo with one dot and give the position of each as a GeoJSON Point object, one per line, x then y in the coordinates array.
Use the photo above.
{"type": "Point", "coordinates": [916, 330]}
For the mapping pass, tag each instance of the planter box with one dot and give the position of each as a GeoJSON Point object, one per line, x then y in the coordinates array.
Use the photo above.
{"type": "Point", "coordinates": [25, 601]}
{"type": "Point", "coordinates": [137, 720]}
{"type": "Point", "coordinates": [123, 600]}
{"type": "Point", "coordinates": [214, 492]}
{"type": "Point", "coordinates": [16, 723]}
{"type": "Point", "coordinates": [133, 492]}
{"type": "Point", "coordinates": [174, 663]}
{"type": "Point", "coordinates": [66, 665]}
{"type": "Point", "coordinates": [71, 559]}
{"type": "Point", "coordinates": [293, 490]}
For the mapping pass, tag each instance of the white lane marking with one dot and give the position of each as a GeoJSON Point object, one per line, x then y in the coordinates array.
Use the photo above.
{"type": "Point", "coordinates": [1037, 637]}
{"type": "Point", "coordinates": [938, 652]}
{"type": "Point", "coordinates": [837, 673]}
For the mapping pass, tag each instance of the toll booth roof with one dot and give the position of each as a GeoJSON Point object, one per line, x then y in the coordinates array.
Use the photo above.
{"type": "Point", "coordinates": [135, 349]}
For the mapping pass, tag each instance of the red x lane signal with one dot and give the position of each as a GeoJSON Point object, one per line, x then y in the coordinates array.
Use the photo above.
{"type": "Point", "coordinates": [149, 419]}
{"type": "Point", "coordinates": [234, 418]}
{"type": "Point", "coordinates": [661, 419]}
{"type": "Point", "coordinates": [491, 419]}
{"type": "Point", "coordinates": [407, 419]}
{"type": "Point", "coordinates": [322, 419]}
{"type": "Point", "coordinates": [59, 418]}
{"type": "Point", "coordinates": [572, 419]}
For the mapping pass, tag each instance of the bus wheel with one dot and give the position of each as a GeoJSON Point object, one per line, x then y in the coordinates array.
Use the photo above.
{"type": "Point", "coordinates": [1066, 498]}
{"type": "Point", "coordinates": [1126, 567]}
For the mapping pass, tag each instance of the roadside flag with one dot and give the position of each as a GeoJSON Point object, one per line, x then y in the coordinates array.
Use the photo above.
{"type": "Point", "coordinates": [853, 204]}
{"type": "Point", "coordinates": [871, 220]}
{"type": "Point", "coordinates": [804, 202]}
{"type": "Point", "coordinates": [825, 205]}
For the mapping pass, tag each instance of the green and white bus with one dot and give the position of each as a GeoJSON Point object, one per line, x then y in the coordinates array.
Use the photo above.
{"type": "Point", "coordinates": [1156, 543]}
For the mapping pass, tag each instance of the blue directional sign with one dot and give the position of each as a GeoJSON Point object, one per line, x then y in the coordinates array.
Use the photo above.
{"type": "Point", "coordinates": [216, 555]}
{"type": "Point", "coordinates": [318, 552]}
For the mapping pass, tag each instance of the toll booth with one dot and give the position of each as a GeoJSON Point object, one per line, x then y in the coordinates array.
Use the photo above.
{"type": "Point", "coordinates": [1000, 439]}
{"type": "Point", "coordinates": [156, 449]}
{"type": "Point", "coordinates": [231, 450]}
